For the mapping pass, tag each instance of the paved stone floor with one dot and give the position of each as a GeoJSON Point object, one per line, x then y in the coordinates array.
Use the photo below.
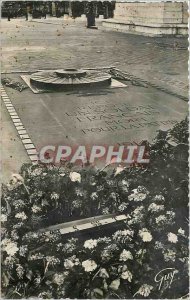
{"type": "Point", "coordinates": [34, 45]}
{"type": "Point", "coordinates": [104, 116]}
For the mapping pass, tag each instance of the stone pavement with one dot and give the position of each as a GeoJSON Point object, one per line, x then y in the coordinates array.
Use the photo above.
{"type": "Point", "coordinates": [32, 45]}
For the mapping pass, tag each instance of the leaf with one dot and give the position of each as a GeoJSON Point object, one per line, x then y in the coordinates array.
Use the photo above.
{"type": "Point", "coordinates": [29, 274]}
{"type": "Point", "coordinates": [49, 273]}
{"type": "Point", "coordinates": [5, 279]}
{"type": "Point", "coordinates": [119, 170]}
{"type": "Point", "coordinates": [115, 284]}
{"type": "Point", "coordinates": [98, 291]}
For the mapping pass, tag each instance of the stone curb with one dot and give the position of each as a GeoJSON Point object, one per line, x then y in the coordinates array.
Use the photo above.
{"type": "Point", "coordinates": [24, 137]}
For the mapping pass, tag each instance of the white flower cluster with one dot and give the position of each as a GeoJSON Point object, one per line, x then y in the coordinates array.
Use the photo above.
{"type": "Point", "coordinates": [123, 235]}
{"type": "Point", "coordinates": [23, 250]}
{"type": "Point", "coordinates": [68, 247]}
{"type": "Point", "coordinates": [125, 273]}
{"type": "Point", "coordinates": [89, 265]}
{"type": "Point", "coordinates": [36, 209]}
{"type": "Point", "coordinates": [9, 246]}
{"type": "Point", "coordinates": [172, 237]}
{"type": "Point", "coordinates": [74, 176]}
{"type": "Point", "coordinates": [145, 235]}
{"type": "Point", "coordinates": [70, 262]}
{"type": "Point", "coordinates": [18, 204]}
{"type": "Point", "coordinates": [16, 180]}
{"type": "Point", "coordinates": [137, 196]}
{"type": "Point", "coordinates": [3, 218]}
{"type": "Point", "coordinates": [54, 196]}
{"type": "Point", "coordinates": [153, 207]}
{"type": "Point", "coordinates": [166, 219]}
{"type": "Point", "coordinates": [159, 198]}
{"type": "Point", "coordinates": [181, 231]}
{"type": "Point", "coordinates": [122, 206]}
{"type": "Point", "coordinates": [52, 260]}
{"type": "Point", "coordinates": [136, 216]}
{"type": "Point", "coordinates": [36, 256]}
{"type": "Point", "coordinates": [36, 172]}
{"type": "Point", "coordinates": [59, 278]}
{"type": "Point", "coordinates": [90, 244]}
{"type": "Point", "coordinates": [144, 290]}
{"type": "Point", "coordinates": [21, 216]}
{"type": "Point", "coordinates": [125, 255]}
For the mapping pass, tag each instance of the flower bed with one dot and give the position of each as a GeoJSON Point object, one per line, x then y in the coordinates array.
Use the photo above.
{"type": "Point", "coordinates": [122, 264]}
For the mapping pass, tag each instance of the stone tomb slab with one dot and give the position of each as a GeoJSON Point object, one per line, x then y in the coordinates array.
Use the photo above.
{"type": "Point", "coordinates": [96, 117]}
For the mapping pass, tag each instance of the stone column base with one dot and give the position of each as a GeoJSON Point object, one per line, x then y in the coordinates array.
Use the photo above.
{"type": "Point", "coordinates": [146, 29]}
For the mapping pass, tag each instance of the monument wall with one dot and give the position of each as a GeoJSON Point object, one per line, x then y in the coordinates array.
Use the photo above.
{"type": "Point", "coordinates": [151, 18]}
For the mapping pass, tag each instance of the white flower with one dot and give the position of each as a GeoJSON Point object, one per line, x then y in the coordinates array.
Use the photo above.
{"type": "Point", "coordinates": [89, 265]}
{"type": "Point", "coordinates": [17, 179]}
{"type": "Point", "coordinates": [36, 208]}
{"type": "Point", "coordinates": [74, 176]}
{"type": "Point", "coordinates": [10, 247]}
{"type": "Point", "coordinates": [122, 206]}
{"type": "Point", "coordinates": [115, 284]}
{"type": "Point", "coordinates": [153, 207]}
{"type": "Point", "coordinates": [145, 290]}
{"type": "Point", "coordinates": [125, 255]}
{"type": "Point", "coordinates": [54, 196]}
{"type": "Point", "coordinates": [145, 235]}
{"type": "Point", "coordinates": [90, 244]}
{"type": "Point", "coordinates": [170, 214]}
{"type": "Point", "coordinates": [52, 260]}
{"type": "Point", "coordinates": [23, 250]}
{"type": "Point", "coordinates": [181, 231]}
{"type": "Point", "coordinates": [21, 215]}
{"type": "Point", "coordinates": [136, 196]}
{"type": "Point", "coordinates": [3, 218]}
{"type": "Point", "coordinates": [124, 232]}
{"type": "Point", "coordinates": [172, 237]}
{"type": "Point", "coordinates": [36, 172]}
{"type": "Point", "coordinates": [36, 256]}
{"type": "Point", "coordinates": [127, 275]}
{"type": "Point", "coordinates": [68, 264]}
{"type": "Point", "coordinates": [58, 279]}
{"type": "Point", "coordinates": [161, 220]}
{"type": "Point", "coordinates": [141, 252]}
{"type": "Point", "coordinates": [125, 182]}
{"type": "Point", "coordinates": [159, 198]}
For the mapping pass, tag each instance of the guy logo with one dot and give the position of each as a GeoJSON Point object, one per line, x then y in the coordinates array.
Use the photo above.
{"type": "Point", "coordinates": [165, 277]}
